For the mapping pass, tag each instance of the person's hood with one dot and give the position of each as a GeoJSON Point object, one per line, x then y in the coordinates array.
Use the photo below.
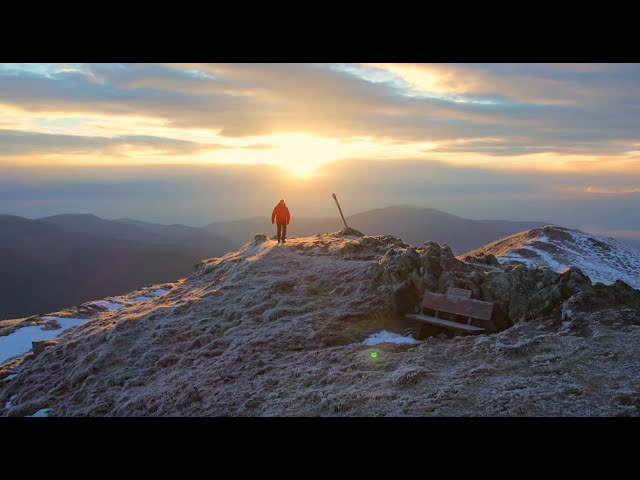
{"type": "Point", "coordinates": [281, 203]}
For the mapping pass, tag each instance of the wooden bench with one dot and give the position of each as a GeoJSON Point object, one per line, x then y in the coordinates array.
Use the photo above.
{"type": "Point", "coordinates": [457, 301]}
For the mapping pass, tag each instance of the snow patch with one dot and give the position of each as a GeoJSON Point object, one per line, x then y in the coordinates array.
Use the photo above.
{"type": "Point", "coordinates": [41, 413]}
{"type": "Point", "coordinates": [111, 306]}
{"type": "Point", "coordinates": [147, 296]}
{"type": "Point", "coordinates": [19, 342]}
{"type": "Point", "coordinates": [8, 378]}
{"type": "Point", "coordinates": [9, 404]}
{"type": "Point", "coordinates": [140, 299]}
{"type": "Point", "coordinates": [387, 337]}
{"type": "Point", "coordinates": [158, 292]}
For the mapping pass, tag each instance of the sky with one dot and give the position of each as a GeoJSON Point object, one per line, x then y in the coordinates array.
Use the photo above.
{"type": "Point", "coordinates": [194, 143]}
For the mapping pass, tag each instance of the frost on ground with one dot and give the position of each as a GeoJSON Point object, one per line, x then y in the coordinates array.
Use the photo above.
{"type": "Point", "coordinates": [279, 329]}
{"type": "Point", "coordinates": [16, 336]}
{"type": "Point", "coordinates": [602, 259]}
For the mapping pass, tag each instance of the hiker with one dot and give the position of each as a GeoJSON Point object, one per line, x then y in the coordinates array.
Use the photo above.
{"type": "Point", "coordinates": [281, 216]}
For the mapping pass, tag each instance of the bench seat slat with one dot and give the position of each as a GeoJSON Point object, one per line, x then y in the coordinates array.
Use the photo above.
{"type": "Point", "coordinates": [445, 323]}
{"type": "Point", "coordinates": [467, 307]}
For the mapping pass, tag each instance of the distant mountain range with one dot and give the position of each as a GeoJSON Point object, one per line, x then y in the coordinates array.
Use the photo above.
{"type": "Point", "coordinates": [414, 225]}
{"type": "Point", "coordinates": [53, 262]}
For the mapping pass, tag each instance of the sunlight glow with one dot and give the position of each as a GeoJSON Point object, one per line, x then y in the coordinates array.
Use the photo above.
{"type": "Point", "coordinates": [302, 153]}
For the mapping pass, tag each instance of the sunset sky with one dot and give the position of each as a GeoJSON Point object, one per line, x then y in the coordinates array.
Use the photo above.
{"type": "Point", "coordinates": [193, 143]}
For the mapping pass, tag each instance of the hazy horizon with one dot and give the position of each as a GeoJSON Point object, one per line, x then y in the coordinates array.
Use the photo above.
{"type": "Point", "coordinates": [197, 143]}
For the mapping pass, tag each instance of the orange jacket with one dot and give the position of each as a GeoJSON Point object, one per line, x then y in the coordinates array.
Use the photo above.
{"type": "Point", "coordinates": [281, 214]}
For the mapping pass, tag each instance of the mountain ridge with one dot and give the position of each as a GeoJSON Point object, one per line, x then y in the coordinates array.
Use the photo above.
{"type": "Point", "coordinates": [603, 259]}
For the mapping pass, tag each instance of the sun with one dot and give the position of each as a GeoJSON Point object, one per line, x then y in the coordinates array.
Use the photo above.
{"type": "Point", "coordinates": [300, 154]}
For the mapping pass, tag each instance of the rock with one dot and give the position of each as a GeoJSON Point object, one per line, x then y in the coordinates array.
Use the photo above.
{"type": "Point", "coordinates": [448, 261]}
{"type": "Point", "coordinates": [349, 232]}
{"type": "Point", "coordinates": [497, 288]}
{"type": "Point", "coordinates": [352, 247]}
{"type": "Point", "coordinates": [406, 298]}
{"type": "Point", "coordinates": [400, 264]}
{"type": "Point", "coordinates": [418, 281]}
{"type": "Point", "coordinates": [39, 346]}
{"type": "Point", "coordinates": [430, 267]}
{"type": "Point", "coordinates": [600, 297]}
{"type": "Point", "coordinates": [260, 237]}
{"type": "Point", "coordinates": [483, 259]}
{"type": "Point", "coordinates": [549, 276]}
{"type": "Point", "coordinates": [370, 242]}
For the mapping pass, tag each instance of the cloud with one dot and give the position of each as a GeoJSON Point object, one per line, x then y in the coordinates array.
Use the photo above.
{"type": "Point", "coordinates": [533, 108]}
{"type": "Point", "coordinates": [14, 142]}
{"type": "Point", "coordinates": [612, 191]}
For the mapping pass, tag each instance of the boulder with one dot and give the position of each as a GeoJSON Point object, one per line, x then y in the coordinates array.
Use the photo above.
{"type": "Point", "coordinates": [406, 298]}
{"type": "Point", "coordinates": [39, 346]}
{"type": "Point", "coordinates": [349, 232]}
{"type": "Point", "coordinates": [483, 259]}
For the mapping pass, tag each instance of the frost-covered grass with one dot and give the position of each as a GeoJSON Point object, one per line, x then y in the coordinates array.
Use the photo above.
{"type": "Point", "coordinates": [19, 342]}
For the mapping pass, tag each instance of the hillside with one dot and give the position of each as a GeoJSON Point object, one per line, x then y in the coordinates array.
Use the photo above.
{"type": "Point", "coordinates": [200, 241]}
{"type": "Point", "coordinates": [602, 259]}
{"type": "Point", "coordinates": [294, 330]}
{"type": "Point", "coordinates": [55, 262]}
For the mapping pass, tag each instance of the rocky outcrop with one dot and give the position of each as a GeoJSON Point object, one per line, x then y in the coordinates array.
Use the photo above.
{"type": "Point", "coordinates": [519, 293]}
{"type": "Point", "coordinates": [483, 259]}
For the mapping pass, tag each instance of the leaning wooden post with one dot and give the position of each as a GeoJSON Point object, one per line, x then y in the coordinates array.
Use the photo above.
{"type": "Point", "coordinates": [336, 199]}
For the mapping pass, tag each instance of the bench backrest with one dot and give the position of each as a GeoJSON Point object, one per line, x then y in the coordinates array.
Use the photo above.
{"type": "Point", "coordinates": [459, 305]}
{"type": "Point", "coordinates": [458, 292]}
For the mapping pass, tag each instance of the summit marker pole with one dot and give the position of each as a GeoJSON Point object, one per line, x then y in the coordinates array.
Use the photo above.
{"type": "Point", "coordinates": [336, 199]}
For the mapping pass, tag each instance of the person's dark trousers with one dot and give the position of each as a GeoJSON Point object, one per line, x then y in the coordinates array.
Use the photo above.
{"type": "Point", "coordinates": [282, 232]}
